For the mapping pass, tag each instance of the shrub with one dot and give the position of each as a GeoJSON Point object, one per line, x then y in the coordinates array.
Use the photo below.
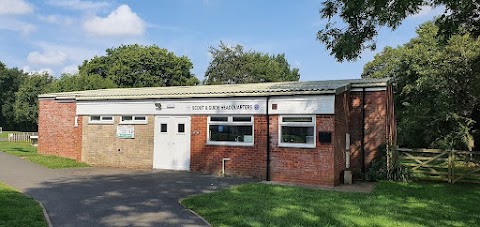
{"type": "Point", "coordinates": [386, 166]}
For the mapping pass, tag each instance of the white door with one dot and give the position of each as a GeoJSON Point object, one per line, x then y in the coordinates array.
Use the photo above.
{"type": "Point", "coordinates": [172, 143]}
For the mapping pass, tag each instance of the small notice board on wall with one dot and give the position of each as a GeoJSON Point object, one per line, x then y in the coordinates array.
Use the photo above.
{"type": "Point", "coordinates": [125, 132]}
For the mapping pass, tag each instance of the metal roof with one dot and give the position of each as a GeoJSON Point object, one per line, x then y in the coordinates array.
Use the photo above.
{"type": "Point", "coordinates": [227, 90]}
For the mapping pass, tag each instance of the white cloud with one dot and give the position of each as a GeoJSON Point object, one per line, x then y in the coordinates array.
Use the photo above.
{"type": "Point", "coordinates": [69, 57]}
{"type": "Point", "coordinates": [79, 5]}
{"type": "Point", "coordinates": [48, 57]}
{"type": "Point", "coordinates": [16, 25]}
{"type": "Point", "coordinates": [70, 69]}
{"type": "Point", "coordinates": [57, 19]}
{"type": "Point", "coordinates": [29, 70]}
{"type": "Point", "coordinates": [15, 7]}
{"type": "Point", "coordinates": [121, 22]}
{"type": "Point", "coordinates": [428, 11]}
{"type": "Point", "coordinates": [77, 52]}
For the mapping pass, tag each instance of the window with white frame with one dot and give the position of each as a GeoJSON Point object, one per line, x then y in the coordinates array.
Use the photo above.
{"type": "Point", "coordinates": [297, 131]}
{"type": "Point", "coordinates": [133, 119]}
{"type": "Point", "coordinates": [230, 130]}
{"type": "Point", "coordinates": [100, 119]}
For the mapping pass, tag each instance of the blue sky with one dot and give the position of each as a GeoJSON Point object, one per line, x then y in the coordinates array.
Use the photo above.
{"type": "Point", "coordinates": [57, 36]}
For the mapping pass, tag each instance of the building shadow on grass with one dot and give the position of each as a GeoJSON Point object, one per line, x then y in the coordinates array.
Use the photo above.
{"type": "Point", "coordinates": [20, 150]}
{"type": "Point", "coordinates": [392, 204]}
{"type": "Point", "coordinates": [148, 198]}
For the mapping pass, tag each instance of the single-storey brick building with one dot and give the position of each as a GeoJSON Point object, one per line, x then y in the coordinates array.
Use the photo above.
{"type": "Point", "coordinates": [299, 132]}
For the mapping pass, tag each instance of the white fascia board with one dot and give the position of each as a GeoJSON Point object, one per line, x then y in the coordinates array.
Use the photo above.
{"type": "Point", "coordinates": [370, 89]}
{"type": "Point", "coordinates": [318, 104]}
{"type": "Point", "coordinates": [308, 104]}
{"type": "Point", "coordinates": [174, 106]}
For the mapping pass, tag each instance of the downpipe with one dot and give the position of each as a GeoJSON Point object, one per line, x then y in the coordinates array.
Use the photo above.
{"type": "Point", "coordinates": [223, 165]}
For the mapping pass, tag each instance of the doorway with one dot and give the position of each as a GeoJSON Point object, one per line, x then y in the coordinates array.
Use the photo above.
{"type": "Point", "coordinates": [172, 143]}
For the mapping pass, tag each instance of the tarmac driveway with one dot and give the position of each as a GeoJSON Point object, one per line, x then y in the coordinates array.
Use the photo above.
{"type": "Point", "coordinates": [111, 197]}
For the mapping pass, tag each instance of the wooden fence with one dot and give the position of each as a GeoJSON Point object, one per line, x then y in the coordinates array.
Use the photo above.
{"type": "Point", "coordinates": [447, 165]}
{"type": "Point", "coordinates": [20, 137]}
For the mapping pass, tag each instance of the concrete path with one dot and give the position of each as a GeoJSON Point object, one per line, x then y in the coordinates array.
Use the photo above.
{"type": "Point", "coordinates": [111, 197]}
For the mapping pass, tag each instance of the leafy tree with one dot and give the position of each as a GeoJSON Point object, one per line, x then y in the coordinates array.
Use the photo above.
{"type": "Point", "coordinates": [232, 65]}
{"type": "Point", "coordinates": [78, 82]}
{"type": "Point", "coordinates": [361, 20]}
{"type": "Point", "coordinates": [10, 80]}
{"type": "Point", "coordinates": [437, 100]}
{"type": "Point", "coordinates": [141, 66]}
{"type": "Point", "coordinates": [26, 102]}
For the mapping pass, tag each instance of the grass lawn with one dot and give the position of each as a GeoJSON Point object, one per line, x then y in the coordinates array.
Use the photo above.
{"type": "Point", "coordinates": [391, 204]}
{"type": "Point", "coordinates": [29, 152]}
{"type": "Point", "coordinates": [16, 209]}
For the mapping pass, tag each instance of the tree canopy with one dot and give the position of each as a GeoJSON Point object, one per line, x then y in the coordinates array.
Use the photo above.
{"type": "Point", "coordinates": [437, 100]}
{"type": "Point", "coordinates": [26, 100]}
{"type": "Point", "coordinates": [141, 66]}
{"type": "Point", "coordinates": [233, 65]}
{"type": "Point", "coordinates": [10, 81]}
{"type": "Point", "coordinates": [353, 24]}
{"type": "Point", "coordinates": [80, 82]}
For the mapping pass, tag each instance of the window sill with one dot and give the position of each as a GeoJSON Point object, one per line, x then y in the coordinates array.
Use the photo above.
{"type": "Point", "coordinates": [230, 144]}
{"type": "Point", "coordinates": [308, 146]}
{"type": "Point", "coordinates": [133, 123]}
{"type": "Point", "coordinates": [100, 123]}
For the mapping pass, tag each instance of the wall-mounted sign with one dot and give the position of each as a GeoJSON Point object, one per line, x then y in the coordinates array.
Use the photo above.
{"type": "Point", "coordinates": [225, 107]}
{"type": "Point", "coordinates": [125, 132]}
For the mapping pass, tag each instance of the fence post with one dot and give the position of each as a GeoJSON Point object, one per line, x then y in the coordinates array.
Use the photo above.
{"type": "Point", "coordinates": [453, 166]}
{"type": "Point", "coordinates": [450, 162]}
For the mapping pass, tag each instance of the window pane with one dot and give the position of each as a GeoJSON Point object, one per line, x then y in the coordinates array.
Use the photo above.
{"type": "Point", "coordinates": [218, 118]}
{"type": "Point", "coordinates": [231, 133]}
{"type": "Point", "coordinates": [127, 118]}
{"type": "Point", "coordinates": [107, 118]}
{"type": "Point", "coordinates": [140, 118]}
{"type": "Point", "coordinates": [94, 118]}
{"type": "Point", "coordinates": [297, 119]}
{"type": "Point", "coordinates": [242, 119]}
{"type": "Point", "coordinates": [163, 128]}
{"type": "Point", "coordinates": [297, 135]}
{"type": "Point", "coordinates": [181, 128]}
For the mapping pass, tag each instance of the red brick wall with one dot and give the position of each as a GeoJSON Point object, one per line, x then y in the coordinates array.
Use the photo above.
{"type": "Point", "coordinates": [245, 160]}
{"type": "Point", "coordinates": [57, 134]}
{"type": "Point", "coordinates": [355, 118]}
{"type": "Point", "coordinates": [304, 165]}
{"type": "Point", "coordinates": [375, 127]}
{"type": "Point", "coordinates": [375, 123]}
{"type": "Point", "coordinates": [341, 129]}
{"type": "Point", "coordinates": [391, 121]}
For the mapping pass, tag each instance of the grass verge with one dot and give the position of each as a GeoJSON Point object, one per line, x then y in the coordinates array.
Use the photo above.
{"type": "Point", "coordinates": [4, 134]}
{"type": "Point", "coordinates": [29, 152]}
{"type": "Point", "coordinates": [391, 204]}
{"type": "Point", "coordinates": [17, 209]}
